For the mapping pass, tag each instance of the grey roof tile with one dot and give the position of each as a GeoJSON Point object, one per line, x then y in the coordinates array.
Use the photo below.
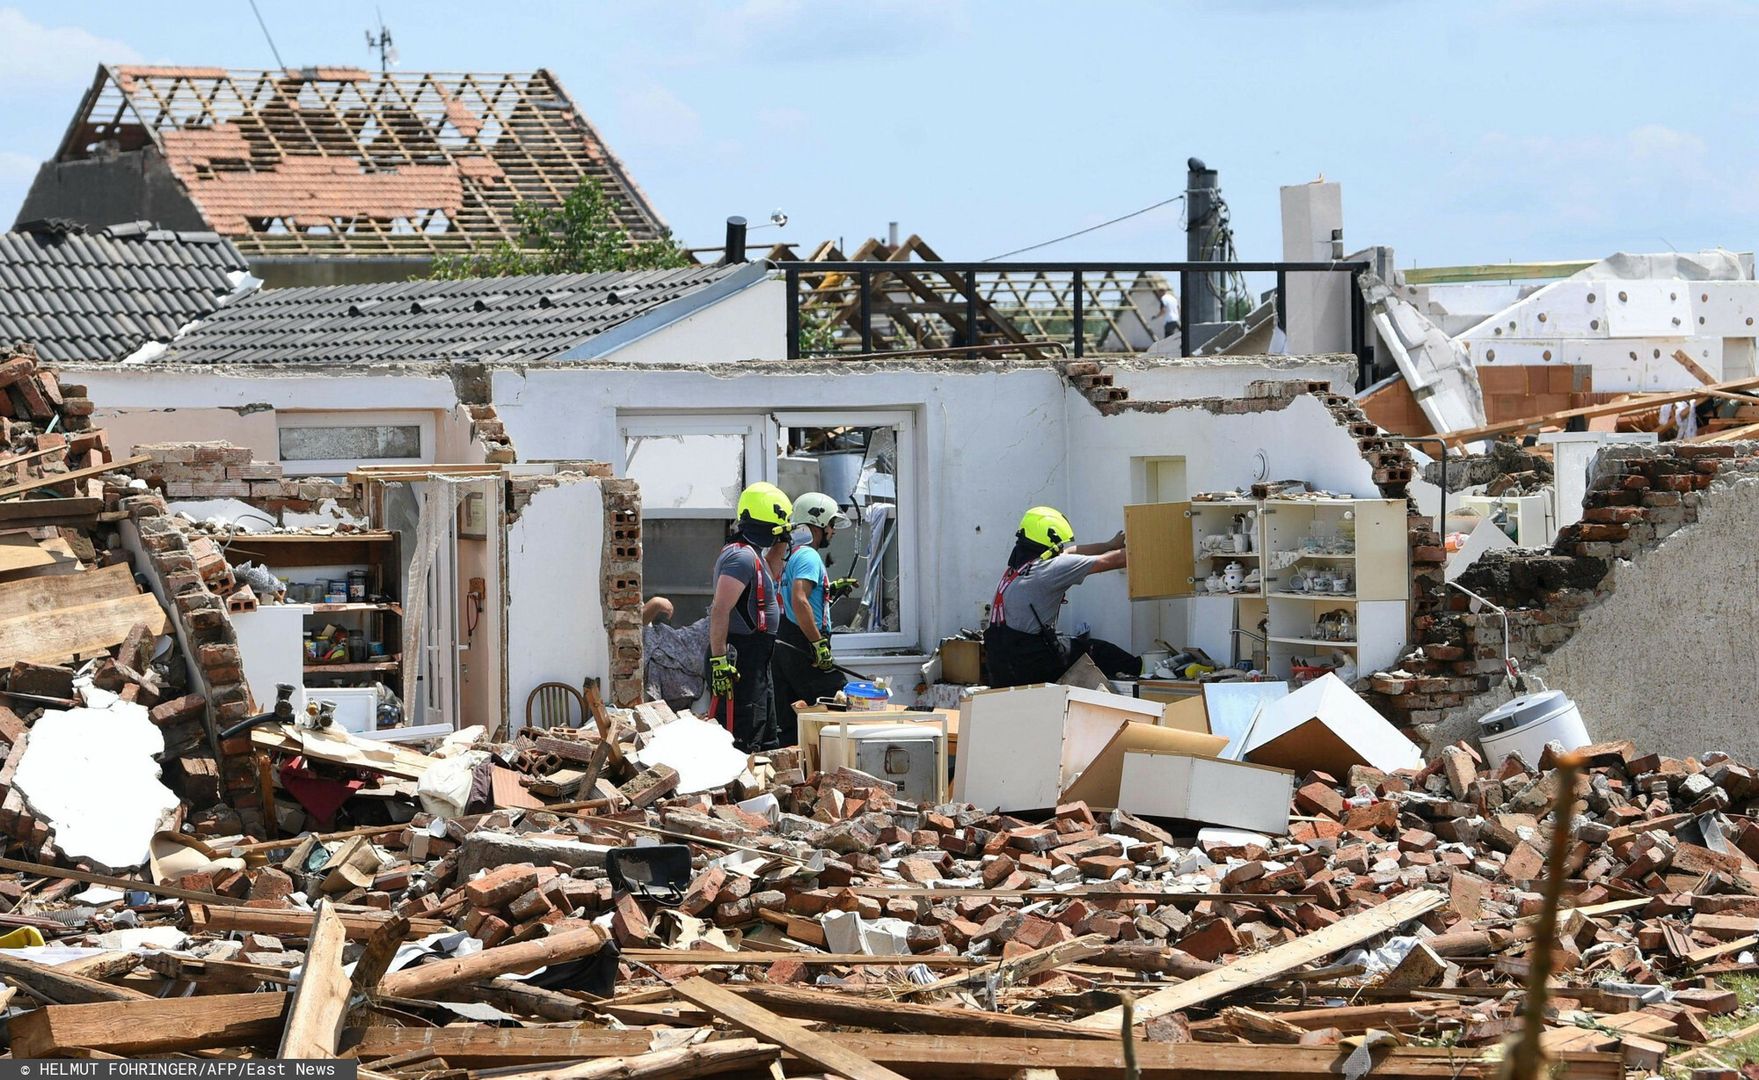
{"type": "Point", "coordinates": [101, 295]}
{"type": "Point", "coordinates": [409, 322]}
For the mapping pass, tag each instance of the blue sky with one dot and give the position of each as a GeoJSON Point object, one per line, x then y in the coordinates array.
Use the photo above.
{"type": "Point", "coordinates": [1481, 131]}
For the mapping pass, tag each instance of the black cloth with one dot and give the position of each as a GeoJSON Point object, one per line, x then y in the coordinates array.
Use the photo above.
{"type": "Point", "coordinates": [1017, 658]}
{"type": "Point", "coordinates": [796, 679]}
{"type": "Point", "coordinates": [754, 716]}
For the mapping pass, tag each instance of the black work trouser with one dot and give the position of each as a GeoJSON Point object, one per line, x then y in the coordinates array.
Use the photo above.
{"type": "Point", "coordinates": [797, 678]}
{"type": "Point", "coordinates": [1017, 658]}
{"type": "Point", "coordinates": [754, 715]}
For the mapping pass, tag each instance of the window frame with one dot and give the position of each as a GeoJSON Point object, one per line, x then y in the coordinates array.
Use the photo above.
{"type": "Point", "coordinates": [762, 433]}
{"type": "Point", "coordinates": [908, 636]}
{"type": "Point", "coordinates": [346, 418]}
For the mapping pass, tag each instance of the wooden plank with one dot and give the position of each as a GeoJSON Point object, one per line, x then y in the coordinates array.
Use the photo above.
{"type": "Point", "coordinates": [72, 510]}
{"type": "Point", "coordinates": [37, 595]}
{"type": "Point", "coordinates": [50, 637]}
{"type": "Point", "coordinates": [62, 987]}
{"type": "Point", "coordinates": [945, 1057]}
{"type": "Point", "coordinates": [977, 1057]}
{"type": "Point", "coordinates": [1021, 967]}
{"type": "Point", "coordinates": [56, 479]}
{"type": "Point", "coordinates": [111, 880]}
{"type": "Point", "coordinates": [320, 1003]}
{"type": "Point", "coordinates": [1692, 367]}
{"type": "Point", "coordinates": [139, 1028]}
{"type": "Point", "coordinates": [19, 552]}
{"type": "Point", "coordinates": [716, 958]}
{"type": "Point", "coordinates": [1278, 960]}
{"type": "Point", "coordinates": [815, 1049]}
{"type": "Point", "coordinates": [516, 959]}
{"type": "Point", "coordinates": [221, 918]}
{"type": "Point", "coordinates": [673, 1063]}
{"type": "Point", "coordinates": [1611, 408]}
{"type": "Point", "coordinates": [1522, 271]}
{"type": "Point", "coordinates": [887, 1015]}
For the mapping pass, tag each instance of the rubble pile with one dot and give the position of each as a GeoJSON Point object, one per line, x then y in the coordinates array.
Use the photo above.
{"type": "Point", "coordinates": [1404, 904]}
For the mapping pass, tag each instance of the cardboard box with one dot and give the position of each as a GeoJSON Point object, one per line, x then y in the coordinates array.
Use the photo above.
{"type": "Point", "coordinates": [961, 661]}
{"type": "Point", "coordinates": [1188, 787]}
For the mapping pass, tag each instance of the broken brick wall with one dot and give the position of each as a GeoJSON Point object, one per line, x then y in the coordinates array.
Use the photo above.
{"type": "Point", "coordinates": [1642, 612]}
{"type": "Point", "coordinates": [217, 470]}
{"type": "Point", "coordinates": [191, 574]}
{"type": "Point", "coordinates": [574, 539]}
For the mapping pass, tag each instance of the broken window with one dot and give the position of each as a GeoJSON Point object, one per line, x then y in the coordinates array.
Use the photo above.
{"type": "Point", "coordinates": [330, 444]}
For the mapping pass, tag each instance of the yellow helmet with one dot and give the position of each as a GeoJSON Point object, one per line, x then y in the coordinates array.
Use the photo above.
{"type": "Point", "coordinates": [764, 504]}
{"type": "Point", "coordinates": [1048, 528]}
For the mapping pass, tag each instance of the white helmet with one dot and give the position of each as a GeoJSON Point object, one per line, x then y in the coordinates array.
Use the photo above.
{"type": "Point", "coordinates": [816, 508]}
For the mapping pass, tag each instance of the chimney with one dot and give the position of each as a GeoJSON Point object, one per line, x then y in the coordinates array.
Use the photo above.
{"type": "Point", "coordinates": [735, 250]}
{"type": "Point", "coordinates": [892, 235]}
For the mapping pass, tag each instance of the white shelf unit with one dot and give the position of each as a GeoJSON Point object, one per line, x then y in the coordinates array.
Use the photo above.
{"type": "Point", "coordinates": [1214, 529]}
{"type": "Point", "coordinates": [1364, 540]}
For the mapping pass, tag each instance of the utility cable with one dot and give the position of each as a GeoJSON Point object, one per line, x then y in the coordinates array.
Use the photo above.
{"type": "Point", "coordinates": [270, 37]}
{"type": "Point", "coordinates": [1091, 228]}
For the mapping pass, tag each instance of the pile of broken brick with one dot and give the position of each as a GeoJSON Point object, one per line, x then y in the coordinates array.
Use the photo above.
{"type": "Point", "coordinates": [842, 931]}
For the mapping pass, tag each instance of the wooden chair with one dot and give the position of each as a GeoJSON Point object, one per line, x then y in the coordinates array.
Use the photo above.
{"type": "Point", "coordinates": [558, 705]}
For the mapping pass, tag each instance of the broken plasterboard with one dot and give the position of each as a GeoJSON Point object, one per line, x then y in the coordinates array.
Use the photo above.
{"type": "Point", "coordinates": [1097, 785]}
{"type": "Point", "coordinates": [91, 776]}
{"type": "Point", "coordinates": [1326, 726]}
{"type": "Point", "coordinates": [702, 753]}
{"type": "Point", "coordinates": [1439, 372]}
{"type": "Point", "coordinates": [1187, 787]}
{"type": "Point", "coordinates": [1232, 706]}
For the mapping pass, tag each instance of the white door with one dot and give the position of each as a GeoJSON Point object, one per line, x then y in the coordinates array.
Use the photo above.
{"type": "Point", "coordinates": [439, 623]}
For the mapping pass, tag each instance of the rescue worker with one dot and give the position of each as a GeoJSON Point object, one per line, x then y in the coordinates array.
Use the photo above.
{"type": "Point", "coordinates": [804, 668]}
{"type": "Point", "coordinates": [743, 618]}
{"type": "Point", "coordinates": [1021, 644]}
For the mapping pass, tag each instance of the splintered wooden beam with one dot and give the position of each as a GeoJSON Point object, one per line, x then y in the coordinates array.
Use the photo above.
{"type": "Point", "coordinates": [809, 1046]}
{"type": "Point", "coordinates": [64, 988]}
{"type": "Point", "coordinates": [153, 1027]}
{"type": "Point", "coordinates": [1278, 960]}
{"type": "Point", "coordinates": [516, 959]}
{"type": "Point", "coordinates": [888, 1015]}
{"type": "Point", "coordinates": [1020, 967]}
{"type": "Point", "coordinates": [320, 1003]}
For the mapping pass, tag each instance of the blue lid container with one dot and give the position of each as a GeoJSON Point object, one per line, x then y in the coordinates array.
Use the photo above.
{"type": "Point", "coordinates": [866, 692]}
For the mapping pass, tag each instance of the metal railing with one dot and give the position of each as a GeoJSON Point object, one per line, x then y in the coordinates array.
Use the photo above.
{"type": "Point", "coordinates": [869, 307]}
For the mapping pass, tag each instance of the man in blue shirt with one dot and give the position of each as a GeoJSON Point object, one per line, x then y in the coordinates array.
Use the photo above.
{"type": "Point", "coordinates": [803, 668]}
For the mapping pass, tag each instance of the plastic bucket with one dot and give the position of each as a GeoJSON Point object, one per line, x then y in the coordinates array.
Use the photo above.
{"type": "Point", "coordinates": [866, 694]}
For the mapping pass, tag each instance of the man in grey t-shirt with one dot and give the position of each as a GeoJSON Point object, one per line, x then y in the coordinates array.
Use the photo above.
{"type": "Point", "coordinates": [1021, 644]}
{"type": "Point", "coordinates": [743, 618]}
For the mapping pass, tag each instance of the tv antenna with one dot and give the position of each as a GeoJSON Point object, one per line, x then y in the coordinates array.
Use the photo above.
{"type": "Point", "coordinates": [382, 42]}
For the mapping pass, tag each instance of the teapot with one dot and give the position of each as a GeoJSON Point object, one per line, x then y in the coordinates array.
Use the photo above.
{"type": "Point", "coordinates": [1214, 583]}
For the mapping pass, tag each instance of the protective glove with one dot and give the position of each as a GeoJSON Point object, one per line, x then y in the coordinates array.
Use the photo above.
{"type": "Point", "coordinates": [842, 587]}
{"type": "Point", "coordinates": [821, 655]}
{"type": "Point", "coordinates": [722, 675]}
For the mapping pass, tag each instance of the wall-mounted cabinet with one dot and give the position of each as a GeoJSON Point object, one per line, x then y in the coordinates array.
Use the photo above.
{"type": "Point", "coordinates": [1312, 576]}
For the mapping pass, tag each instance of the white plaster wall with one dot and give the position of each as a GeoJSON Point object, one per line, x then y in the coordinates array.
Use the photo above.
{"type": "Point", "coordinates": [556, 622]}
{"type": "Point", "coordinates": [993, 441]}
{"type": "Point", "coordinates": [167, 404]}
{"type": "Point", "coordinates": [751, 324]}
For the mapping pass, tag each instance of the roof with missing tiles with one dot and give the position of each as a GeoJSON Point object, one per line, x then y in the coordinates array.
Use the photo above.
{"type": "Point", "coordinates": [343, 161]}
{"type": "Point", "coordinates": [101, 295]}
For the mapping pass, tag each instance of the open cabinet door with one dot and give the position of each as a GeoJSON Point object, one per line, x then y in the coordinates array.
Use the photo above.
{"type": "Point", "coordinates": [1157, 537]}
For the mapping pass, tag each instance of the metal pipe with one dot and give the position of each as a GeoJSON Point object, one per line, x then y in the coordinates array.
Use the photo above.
{"type": "Point", "coordinates": [735, 249]}
{"type": "Point", "coordinates": [866, 310]}
{"type": "Point", "coordinates": [1200, 241]}
{"type": "Point", "coordinates": [955, 350]}
{"type": "Point", "coordinates": [792, 276]}
{"type": "Point", "coordinates": [1076, 310]}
